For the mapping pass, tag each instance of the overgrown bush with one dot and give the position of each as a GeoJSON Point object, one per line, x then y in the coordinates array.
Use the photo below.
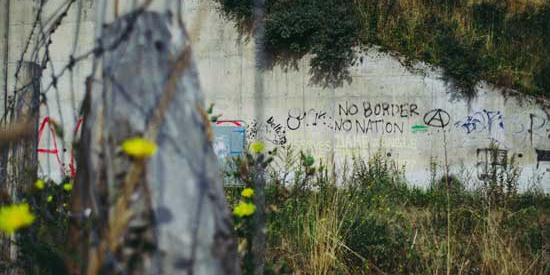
{"type": "Point", "coordinates": [503, 42]}
{"type": "Point", "coordinates": [328, 30]}
{"type": "Point", "coordinates": [372, 221]}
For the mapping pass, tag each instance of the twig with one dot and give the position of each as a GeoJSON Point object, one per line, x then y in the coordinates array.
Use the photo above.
{"type": "Point", "coordinates": [15, 131]}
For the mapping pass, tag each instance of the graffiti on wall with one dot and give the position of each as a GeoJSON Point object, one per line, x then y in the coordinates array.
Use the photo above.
{"type": "Point", "coordinates": [361, 118]}
{"type": "Point", "coordinates": [383, 119]}
{"type": "Point", "coordinates": [271, 130]}
{"type": "Point", "coordinates": [365, 120]}
{"type": "Point", "coordinates": [533, 126]}
{"type": "Point", "coordinates": [481, 121]}
{"type": "Point", "coordinates": [437, 118]}
{"type": "Point", "coordinates": [51, 126]}
{"type": "Point", "coordinates": [490, 161]}
{"type": "Point", "coordinates": [542, 156]}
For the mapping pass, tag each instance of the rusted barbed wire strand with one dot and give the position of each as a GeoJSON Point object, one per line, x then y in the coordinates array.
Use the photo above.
{"type": "Point", "coordinates": [73, 52]}
{"type": "Point", "coordinates": [43, 42]}
{"type": "Point", "coordinates": [27, 44]}
{"type": "Point", "coordinates": [44, 39]}
{"type": "Point", "coordinates": [96, 52]}
{"type": "Point", "coordinates": [47, 61]}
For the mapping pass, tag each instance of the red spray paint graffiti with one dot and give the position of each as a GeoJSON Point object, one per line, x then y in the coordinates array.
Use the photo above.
{"type": "Point", "coordinates": [237, 123]}
{"type": "Point", "coordinates": [55, 151]}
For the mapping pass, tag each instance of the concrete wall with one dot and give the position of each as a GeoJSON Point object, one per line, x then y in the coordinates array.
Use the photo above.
{"type": "Point", "coordinates": [62, 103]}
{"type": "Point", "coordinates": [413, 116]}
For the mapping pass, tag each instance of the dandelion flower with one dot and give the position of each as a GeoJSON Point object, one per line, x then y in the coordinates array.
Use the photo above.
{"type": "Point", "coordinates": [244, 209]}
{"type": "Point", "coordinates": [257, 147]}
{"type": "Point", "coordinates": [68, 187]}
{"type": "Point", "coordinates": [247, 192]}
{"type": "Point", "coordinates": [14, 217]}
{"type": "Point", "coordinates": [39, 184]}
{"type": "Point", "coordinates": [139, 147]}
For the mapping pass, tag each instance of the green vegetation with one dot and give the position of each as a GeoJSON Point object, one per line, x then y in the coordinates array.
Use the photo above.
{"type": "Point", "coordinates": [41, 247]}
{"type": "Point", "coordinates": [368, 220]}
{"type": "Point", "coordinates": [372, 222]}
{"type": "Point", "coordinates": [502, 42]}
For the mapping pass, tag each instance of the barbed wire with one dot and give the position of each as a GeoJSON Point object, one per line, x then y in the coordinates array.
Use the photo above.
{"type": "Point", "coordinates": [45, 32]}
{"type": "Point", "coordinates": [38, 49]}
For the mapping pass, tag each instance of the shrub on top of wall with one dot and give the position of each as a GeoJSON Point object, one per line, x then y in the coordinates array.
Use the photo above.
{"type": "Point", "coordinates": [328, 30]}
{"type": "Point", "coordinates": [503, 42]}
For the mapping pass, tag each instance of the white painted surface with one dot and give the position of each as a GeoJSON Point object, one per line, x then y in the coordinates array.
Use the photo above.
{"type": "Point", "coordinates": [226, 67]}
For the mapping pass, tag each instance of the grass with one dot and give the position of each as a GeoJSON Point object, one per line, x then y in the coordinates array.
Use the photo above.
{"type": "Point", "coordinates": [504, 42]}
{"type": "Point", "coordinates": [373, 222]}
{"type": "Point", "coordinates": [366, 221]}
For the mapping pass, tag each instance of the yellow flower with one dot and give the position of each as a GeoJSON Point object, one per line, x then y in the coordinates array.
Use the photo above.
{"type": "Point", "coordinates": [39, 184]}
{"type": "Point", "coordinates": [247, 193]}
{"type": "Point", "coordinates": [14, 217]}
{"type": "Point", "coordinates": [244, 209]}
{"type": "Point", "coordinates": [49, 198]}
{"type": "Point", "coordinates": [257, 147]}
{"type": "Point", "coordinates": [139, 147]}
{"type": "Point", "coordinates": [68, 186]}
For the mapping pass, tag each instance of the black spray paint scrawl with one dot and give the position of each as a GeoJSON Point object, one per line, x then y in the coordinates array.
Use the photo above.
{"type": "Point", "coordinates": [542, 155]}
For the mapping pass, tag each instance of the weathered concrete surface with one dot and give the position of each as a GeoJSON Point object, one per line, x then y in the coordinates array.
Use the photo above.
{"type": "Point", "coordinates": [149, 87]}
{"type": "Point", "coordinates": [385, 106]}
{"type": "Point", "coordinates": [332, 126]}
{"type": "Point", "coordinates": [74, 36]}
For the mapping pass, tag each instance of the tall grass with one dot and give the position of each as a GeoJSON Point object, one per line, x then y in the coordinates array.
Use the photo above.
{"type": "Point", "coordinates": [316, 243]}
{"type": "Point", "coordinates": [500, 41]}
{"type": "Point", "coordinates": [373, 222]}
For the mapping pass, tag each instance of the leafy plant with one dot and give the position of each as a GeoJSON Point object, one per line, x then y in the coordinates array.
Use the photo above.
{"type": "Point", "coordinates": [372, 221]}
{"type": "Point", "coordinates": [503, 42]}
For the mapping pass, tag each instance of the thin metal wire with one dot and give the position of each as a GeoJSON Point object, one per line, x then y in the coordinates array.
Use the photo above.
{"type": "Point", "coordinates": [37, 49]}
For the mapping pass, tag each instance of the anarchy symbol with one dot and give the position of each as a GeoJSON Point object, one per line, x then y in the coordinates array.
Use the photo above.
{"type": "Point", "coordinates": [437, 118]}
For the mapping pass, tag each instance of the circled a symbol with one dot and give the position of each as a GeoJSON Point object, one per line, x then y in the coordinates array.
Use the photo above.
{"type": "Point", "coordinates": [437, 118]}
